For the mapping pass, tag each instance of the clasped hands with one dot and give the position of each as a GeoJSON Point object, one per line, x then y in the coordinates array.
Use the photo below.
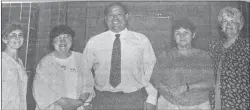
{"type": "Point", "coordinates": [176, 92]}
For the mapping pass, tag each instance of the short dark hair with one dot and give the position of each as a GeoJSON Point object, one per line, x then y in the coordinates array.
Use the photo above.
{"type": "Point", "coordinates": [61, 29]}
{"type": "Point", "coordinates": [185, 23]}
{"type": "Point", "coordinates": [115, 4]}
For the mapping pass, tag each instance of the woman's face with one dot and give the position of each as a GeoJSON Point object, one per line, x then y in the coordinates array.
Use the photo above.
{"type": "Point", "coordinates": [183, 37]}
{"type": "Point", "coordinates": [14, 39]}
{"type": "Point", "coordinates": [229, 25]}
{"type": "Point", "coordinates": [62, 43]}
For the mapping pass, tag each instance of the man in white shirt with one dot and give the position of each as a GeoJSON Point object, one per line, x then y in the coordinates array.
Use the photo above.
{"type": "Point", "coordinates": [123, 62]}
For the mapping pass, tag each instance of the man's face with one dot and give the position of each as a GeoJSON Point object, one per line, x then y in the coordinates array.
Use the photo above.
{"type": "Point", "coordinates": [116, 18]}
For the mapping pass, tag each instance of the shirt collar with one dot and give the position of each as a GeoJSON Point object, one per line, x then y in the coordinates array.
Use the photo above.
{"type": "Point", "coordinates": [122, 33]}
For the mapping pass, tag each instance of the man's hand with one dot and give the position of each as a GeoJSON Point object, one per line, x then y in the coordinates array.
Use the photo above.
{"type": "Point", "coordinates": [176, 91]}
{"type": "Point", "coordinates": [88, 107]}
{"type": "Point", "coordinates": [68, 103]}
{"type": "Point", "coordinates": [149, 106]}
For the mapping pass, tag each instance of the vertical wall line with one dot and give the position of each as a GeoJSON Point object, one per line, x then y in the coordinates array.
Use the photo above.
{"type": "Point", "coordinates": [9, 12]}
{"type": "Point", "coordinates": [59, 14]}
{"type": "Point", "coordinates": [21, 10]}
{"type": "Point", "coordinates": [66, 13]}
{"type": "Point", "coordinates": [86, 20]}
{"type": "Point", "coordinates": [28, 35]}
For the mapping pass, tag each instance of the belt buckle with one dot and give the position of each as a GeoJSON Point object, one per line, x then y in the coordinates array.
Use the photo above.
{"type": "Point", "coordinates": [120, 92]}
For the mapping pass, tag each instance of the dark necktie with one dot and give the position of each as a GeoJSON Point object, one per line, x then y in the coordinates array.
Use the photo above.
{"type": "Point", "coordinates": [115, 70]}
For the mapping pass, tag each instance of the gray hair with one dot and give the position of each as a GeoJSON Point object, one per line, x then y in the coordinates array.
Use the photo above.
{"type": "Point", "coordinates": [233, 13]}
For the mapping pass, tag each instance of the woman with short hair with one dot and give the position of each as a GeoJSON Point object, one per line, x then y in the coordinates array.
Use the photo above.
{"type": "Point", "coordinates": [231, 56]}
{"type": "Point", "coordinates": [14, 77]}
{"type": "Point", "coordinates": [185, 76]}
{"type": "Point", "coordinates": [60, 82]}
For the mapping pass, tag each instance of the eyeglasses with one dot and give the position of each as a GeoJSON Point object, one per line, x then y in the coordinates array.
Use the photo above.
{"type": "Point", "coordinates": [63, 37]}
{"type": "Point", "coordinates": [181, 33]}
{"type": "Point", "coordinates": [231, 22]}
{"type": "Point", "coordinates": [15, 36]}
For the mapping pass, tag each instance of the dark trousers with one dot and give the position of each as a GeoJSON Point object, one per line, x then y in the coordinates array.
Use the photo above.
{"type": "Point", "coordinates": [105, 100]}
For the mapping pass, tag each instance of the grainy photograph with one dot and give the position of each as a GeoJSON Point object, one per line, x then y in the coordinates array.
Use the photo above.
{"type": "Point", "coordinates": [125, 55]}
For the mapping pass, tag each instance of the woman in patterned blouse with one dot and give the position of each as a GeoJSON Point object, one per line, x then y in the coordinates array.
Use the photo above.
{"type": "Point", "coordinates": [231, 59]}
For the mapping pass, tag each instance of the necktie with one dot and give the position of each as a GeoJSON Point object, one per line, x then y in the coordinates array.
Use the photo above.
{"type": "Point", "coordinates": [115, 70]}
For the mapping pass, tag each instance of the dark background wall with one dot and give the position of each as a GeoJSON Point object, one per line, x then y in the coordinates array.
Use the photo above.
{"type": "Point", "coordinates": [154, 19]}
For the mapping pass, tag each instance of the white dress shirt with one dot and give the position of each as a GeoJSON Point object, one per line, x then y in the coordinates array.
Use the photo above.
{"type": "Point", "coordinates": [137, 62]}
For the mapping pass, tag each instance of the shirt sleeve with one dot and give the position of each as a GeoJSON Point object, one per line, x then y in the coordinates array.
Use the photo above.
{"type": "Point", "coordinates": [8, 86]}
{"type": "Point", "coordinates": [45, 93]}
{"type": "Point", "coordinates": [88, 60]}
{"type": "Point", "coordinates": [149, 62]}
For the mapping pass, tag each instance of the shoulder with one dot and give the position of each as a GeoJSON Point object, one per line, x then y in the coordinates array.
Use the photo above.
{"type": "Point", "coordinates": [47, 59]}
{"type": "Point", "coordinates": [215, 43]}
{"type": "Point", "coordinates": [4, 61]}
{"type": "Point", "coordinates": [215, 46]}
{"type": "Point", "coordinates": [77, 54]}
{"type": "Point", "coordinates": [3, 56]}
{"type": "Point", "coordinates": [98, 37]}
{"type": "Point", "coordinates": [243, 46]}
{"type": "Point", "coordinates": [173, 52]}
{"type": "Point", "coordinates": [201, 52]}
{"type": "Point", "coordinates": [244, 41]}
{"type": "Point", "coordinates": [137, 35]}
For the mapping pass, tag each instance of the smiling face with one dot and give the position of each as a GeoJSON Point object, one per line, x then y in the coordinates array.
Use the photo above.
{"type": "Point", "coordinates": [14, 39]}
{"type": "Point", "coordinates": [116, 18]}
{"type": "Point", "coordinates": [183, 37]}
{"type": "Point", "coordinates": [62, 43]}
{"type": "Point", "coordinates": [230, 26]}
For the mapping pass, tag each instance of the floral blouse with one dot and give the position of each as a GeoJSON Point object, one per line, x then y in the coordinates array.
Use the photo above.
{"type": "Point", "coordinates": [234, 80]}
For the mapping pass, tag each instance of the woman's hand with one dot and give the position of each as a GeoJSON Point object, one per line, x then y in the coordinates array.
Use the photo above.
{"type": "Point", "coordinates": [62, 102]}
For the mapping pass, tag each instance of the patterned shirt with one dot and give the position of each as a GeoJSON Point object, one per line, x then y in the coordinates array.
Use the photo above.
{"type": "Point", "coordinates": [234, 88]}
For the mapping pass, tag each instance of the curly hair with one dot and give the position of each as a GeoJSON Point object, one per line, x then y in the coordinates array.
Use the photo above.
{"type": "Point", "coordinates": [12, 26]}
{"type": "Point", "coordinates": [233, 13]}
